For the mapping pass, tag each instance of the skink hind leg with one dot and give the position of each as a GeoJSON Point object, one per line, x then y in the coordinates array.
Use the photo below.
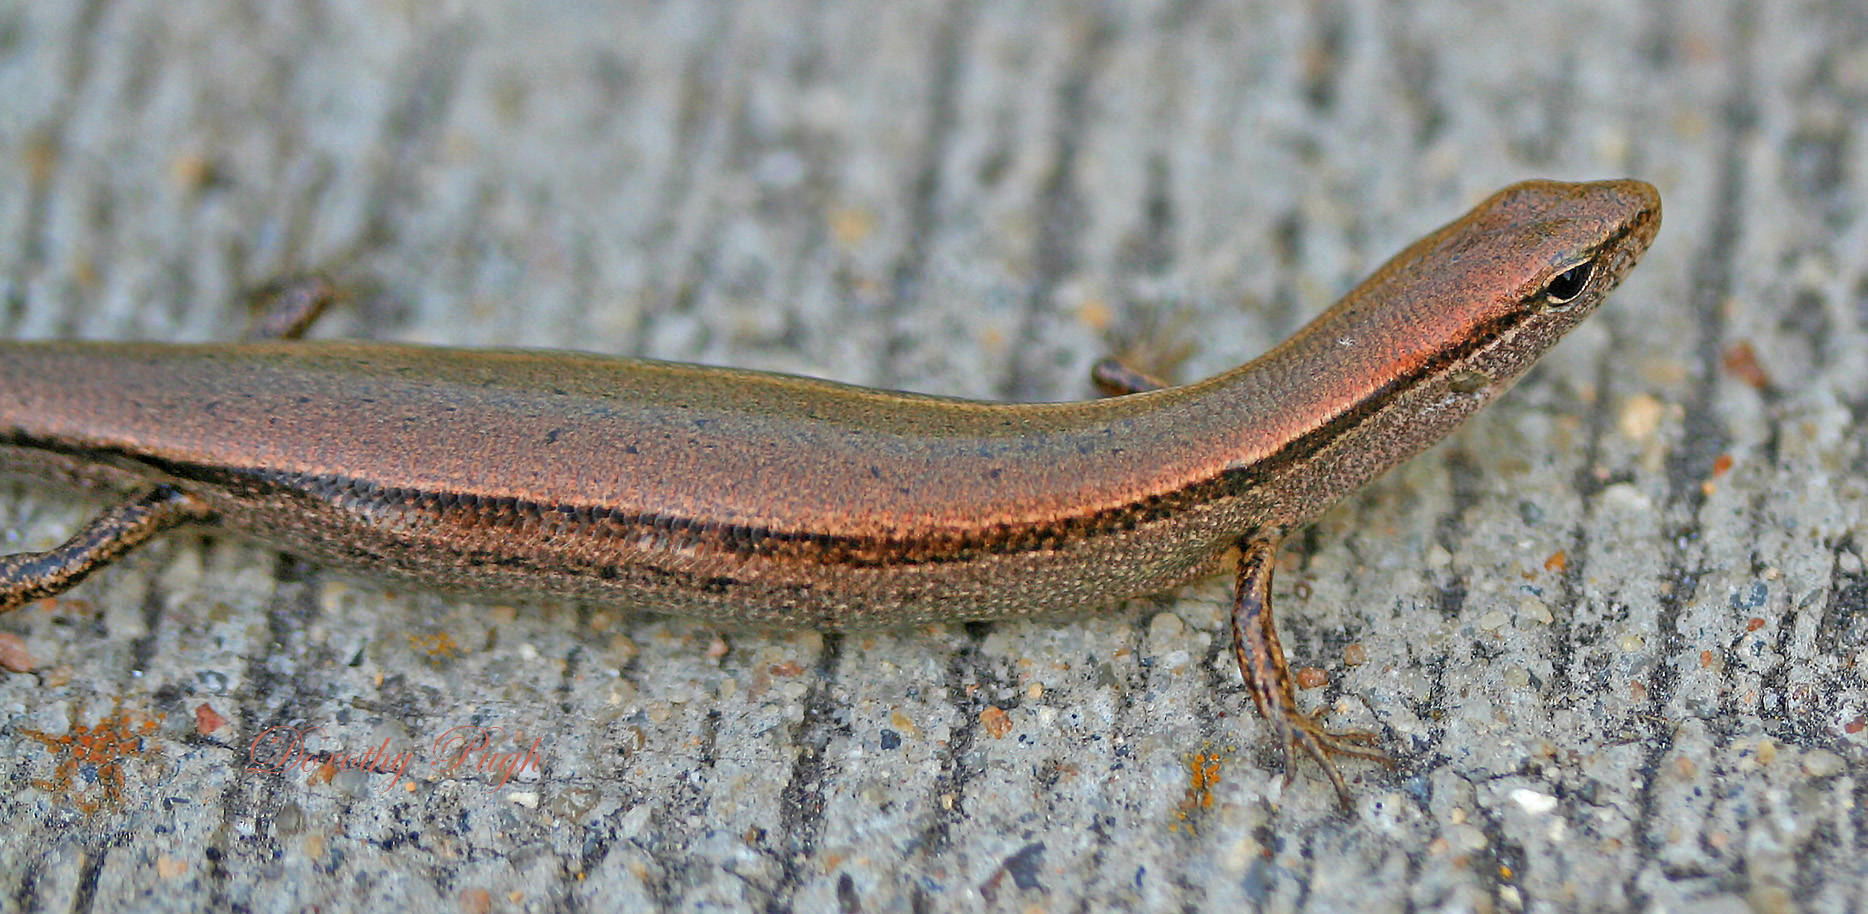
{"type": "Point", "coordinates": [28, 576]}
{"type": "Point", "coordinates": [1161, 345]}
{"type": "Point", "coordinates": [1261, 662]}
{"type": "Point", "coordinates": [289, 307]}
{"type": "Point", "coordinates": [1114, 378]}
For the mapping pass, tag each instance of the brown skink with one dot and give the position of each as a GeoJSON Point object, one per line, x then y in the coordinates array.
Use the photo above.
{"type": "Point", "coordinates": [767, 498]}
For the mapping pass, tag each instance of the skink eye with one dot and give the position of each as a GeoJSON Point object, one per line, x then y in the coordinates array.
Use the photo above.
{"type": "Point", "coordinates": [1568, 284]}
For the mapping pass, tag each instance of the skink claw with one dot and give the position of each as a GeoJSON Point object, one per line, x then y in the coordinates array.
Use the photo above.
{"type": "Point", "coordinates": [1268, 678]}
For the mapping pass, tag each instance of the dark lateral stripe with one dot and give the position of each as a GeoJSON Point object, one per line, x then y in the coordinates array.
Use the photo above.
{"type": "Point", "coordinates": [683, 532]}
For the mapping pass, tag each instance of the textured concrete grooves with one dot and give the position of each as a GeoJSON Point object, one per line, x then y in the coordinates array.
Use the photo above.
{"type": "Point", "coordinates": [801, 805]}
{"type": "Point", "coordinates": [84, 900]}
{"type": "Point", "coordinates": [1712, 285]}
{"type": "Point", "coordinates": [978, 198]}
{"type": "Point", "coordinates": [1703, 435]}
{"type": "Point", "coordinates": [1058, 211]}
{"type": "Point", "coordinates": [948, 801]}
{"type": "Point", "coordinates": [945, 60]}
{"type": "Point", "coordinates": [51, 142]}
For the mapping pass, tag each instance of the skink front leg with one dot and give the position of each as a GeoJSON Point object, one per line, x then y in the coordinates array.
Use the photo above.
{"type": "Point", "coordinates": [289, 307]}
{"type": "Point", "coordinates": [28, 576]}
{"type": "Point", "coordinates": [1114, 378]}
{"type": "Point", "coordinates": [1268, 678]}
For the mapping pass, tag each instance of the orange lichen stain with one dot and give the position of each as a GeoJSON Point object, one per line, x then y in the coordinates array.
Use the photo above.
{"type": "Point", "coordinates": [996, 721]}
{"type": "Point", "coordinates": [788, 668]}
{"type": "Point", "coordinates": [1203, 770]}
{"type": "Point", "coordinates": [1754, 623]}
{"type": "Point", "coordinates": [992, 339]}
{"type": "Point", "coordinates": [476, 901]}
{"type": "Point", "coordinates": [41, 159]}
{"type": "Point", "coordinates": [94, 756]}
{"type": "Point", "coordinates": [67, 605]}
{"type": "Point", "coordinates": [84, 271]}
{"type": "Point", "coordinates": [13, 654]}
{"type": "Point", "coordinates": [193, 172]}
{"type": "Point", "coordinates": [1767, 752]}
{"type": "Point", "coordinates": [1558, 561]}
{"type": "Point", "coordinates": [437, 646]}
{"type": "Point", "coordinates": [1721, 465]}
{"type": "Point", "coordinates": [903, 723]}
{"type": "Point", "coordinates": [207, 720]}
{"type": "Point", "coordinates": [851, 226]}
{"type": "Point", "coordinates": [1741, 361]}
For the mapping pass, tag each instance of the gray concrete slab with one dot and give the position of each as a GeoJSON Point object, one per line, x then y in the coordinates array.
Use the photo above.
{"type": "Point", "coordinates": [1613, 628]}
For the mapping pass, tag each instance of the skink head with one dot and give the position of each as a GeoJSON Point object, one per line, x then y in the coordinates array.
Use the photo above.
{"type": "Point", "coordinates": [1554, 246]}
{"type": "Point", "coordinates": [1432, 336]}
{"type": "Point", "coordinates": [1550, 252]}
{"type": "Point", "coordinates": [1479, 300]}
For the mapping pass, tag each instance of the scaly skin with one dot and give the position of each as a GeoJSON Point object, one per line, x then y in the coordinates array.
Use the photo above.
{"type": "Point", "coordinates": [766, 498]}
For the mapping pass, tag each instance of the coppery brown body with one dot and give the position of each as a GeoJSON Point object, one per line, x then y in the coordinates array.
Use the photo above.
{"type": "Point", "coordinates": [778, 499]}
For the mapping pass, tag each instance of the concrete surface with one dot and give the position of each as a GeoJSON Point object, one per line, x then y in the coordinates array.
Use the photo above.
{"type": "Point", "coordinates": [1614, 628]}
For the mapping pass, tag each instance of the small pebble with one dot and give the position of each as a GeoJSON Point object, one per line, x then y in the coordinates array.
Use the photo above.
{"type": "Point", "coordinates": [1534, 610]}
{"type": "Point", "coordinates": [1640, 416]}
{"type": "Point", "coordinates": [1533, 801]}
{"type": "Point", "coordinates": [1821, 763]}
